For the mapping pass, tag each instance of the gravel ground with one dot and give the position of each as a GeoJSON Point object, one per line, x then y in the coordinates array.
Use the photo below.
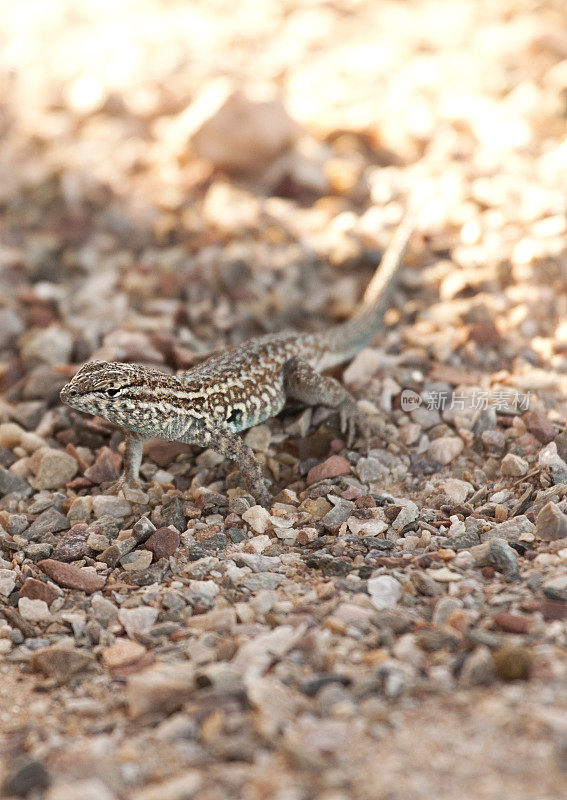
{"type": "Point", "coordinates": [179, 176]}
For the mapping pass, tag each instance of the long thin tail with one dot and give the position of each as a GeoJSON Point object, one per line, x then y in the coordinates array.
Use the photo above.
{"type": "Point", "coordinates": [345, 340]}
{"type": "Point", "coordinates": [378, 293]}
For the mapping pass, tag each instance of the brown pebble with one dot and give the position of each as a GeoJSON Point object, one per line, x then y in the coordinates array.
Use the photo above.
{"type": "Point", "coordinates": [60, 662]}
{"type": "Point", "coordinates": [73, 543]}
{"type": "Point", "coordinates": [553, 609]}
{"type": "Point", "coordinates": [488, 572]}
{"type": "Point", "coordinates": [512, 623]}
{"type": "Point", "coordinates": [331, 468]}
{"type": "Point", "coordinates": [316, 507]}
{"type": "Point", "coordinates": [424, 561]}
{"type": "Point", "coordinates": [72, 577]}
{"type": "Point", "coordinates": [163, 453]}
{"type": "Point", "coordinates": [484, 333]}
{"type": "Point", "coordinates": [78, 483]}
{"type": "Point", "coordinates": [540, 425]}
{"type": "Point", "coordinates": [35, 589]}
{"type": "Point", "coordinates": [351, 493]}
{"type": "Point", "coordinates": [459, 620]}
{"type": "Point", "coordinates": [163, 543]}
{"type": "Point", "coordinates": [105, 468]}
{"type": "Point", "coordinates": [302, 538]}
{"type": "Point", "coordinates": [512, 663]}
{"type": "Point", "coordinates": [364, 501]}
{"type": "Point", "coordinates": [122, 652]}
{"type": "Point", "coordinates": [391, 512]}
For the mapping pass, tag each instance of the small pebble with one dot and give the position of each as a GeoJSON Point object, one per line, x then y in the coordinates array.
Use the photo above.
{"type": "Point", "coordinates": [122, 653]}
{"type": "Point", "coordinates": [384, 591]}
{"type": "Point", "coordinates": [28, 778]}
{"type": "Point", "coordinates": [258, 519]}
{"type": "Point", "coordinates": [52, 468]}
{"type": "Point", "coordinates": [50, 521]}
{"type": "Point", "coordinates": [512, 623]}
{"type": "Point", "coordinates": [137, 620]}
{"type": "Point", "coordinates": [331, 468]}
{"type": "Point", "coordinates": [316, 508]}
{"type": "Point", "coordinates": [104, 468]}
{"type": "Point", "coordinates": [478, 669]}
{"type": "Point", "coordinates": [511, 530]}
{"type": "Point", "coordinates": [136, 560]}
{"type": "Point", "coordinates": [163, 543]}
{"type": "Point", "coordinates": [551, 523]}
{"type": "Point", "coordinates": [10, 482]}
{"type": "Point", "coordinates": [7, 582]}
{"type": "Point", "coordinates": [258, 438]}
{"type": "Point", "coordinates": [34, 610]}
{"type": "Point", "coordinates": [456, 490]}
{"type": "Point", "coordinates": [514, 466]}
{"type": "Point", "coordinates": [540, 425]}
{"type": "Point", "coordinates": [513, 663]}
{"type": "Point", "coordinates": [163, 688]}
{"type": "Point", "coordinates": [117, 507]}
{"type": "Point", "coordinates": [39, 590]}
{"type": "Point", "coordinates": [72, 577]}
{"type": "Point", "coordinates": [60, 662]}
{"type": "Point", "coordinates": [73, 544]}
{"type": "Point", "coordinates": [370, 470]}
{"type": "Point", "coordinates": [445, 449]}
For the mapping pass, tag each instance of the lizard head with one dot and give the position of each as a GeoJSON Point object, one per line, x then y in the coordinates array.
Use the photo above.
{"type": "Point", "coordinates": [119, 393]}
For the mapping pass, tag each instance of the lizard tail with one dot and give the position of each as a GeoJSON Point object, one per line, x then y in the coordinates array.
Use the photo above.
{"type": "Point", "coordinates": [344, 341]}
{"type": "Point", "coordinates": [378, 293]}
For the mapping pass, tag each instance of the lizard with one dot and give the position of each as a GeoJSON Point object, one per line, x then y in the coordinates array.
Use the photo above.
{"type": "Point", "coordinates": [212, 403]}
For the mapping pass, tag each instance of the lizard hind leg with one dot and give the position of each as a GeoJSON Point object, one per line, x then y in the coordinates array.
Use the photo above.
{"type": "Point", "coordinates": [232, 447]}
{"type": "Point", "coordinates": [302, 382]}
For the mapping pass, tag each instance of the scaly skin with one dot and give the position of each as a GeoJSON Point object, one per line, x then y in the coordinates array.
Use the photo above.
{"type": "Point", "coordinates": [245, 385]}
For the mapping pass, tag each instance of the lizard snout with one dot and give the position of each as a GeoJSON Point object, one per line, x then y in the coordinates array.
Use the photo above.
{"type": "Point", "coordinates": [68, 392]}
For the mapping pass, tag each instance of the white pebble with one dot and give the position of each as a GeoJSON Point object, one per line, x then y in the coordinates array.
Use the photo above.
{"type": "Point", "coordinates": [384, 591]}
{"type": "Point", "coordinates": [258, 519]}
{"type": "Point", "coordinates": [33, 610]}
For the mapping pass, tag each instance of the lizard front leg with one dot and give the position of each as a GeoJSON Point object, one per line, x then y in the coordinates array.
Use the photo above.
{"type": "Point", "coordinates": [305, 384]}
{"type": "Point", "coordinates": [133, 457]}
{"type": "Point", "coordinates": [131, 461]}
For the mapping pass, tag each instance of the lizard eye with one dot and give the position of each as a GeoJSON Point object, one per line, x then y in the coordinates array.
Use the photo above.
{"type": "Point", "coordinates": [112, 392]}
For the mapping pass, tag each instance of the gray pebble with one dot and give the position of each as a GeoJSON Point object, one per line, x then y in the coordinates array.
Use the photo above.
{"type": "Point", "coordinates": [11, 326]}
{"type": "Point", "coordinates": [7, 582]}
{"type": "Point", "coordinates": [556, 588]}
{"type": "Point", "coordinates": [258, 563]}
{"type": "Point", "coordinates": [136, 561]}
{"type": "Point", "coordinates": [334, 518]}
{"type": "Point", "coordinates": [262, 580]}
{"type": "Point", "coordinates": [53, 468]}
{"type": "Point", "coordinates": [511, 530]}
{"type": "Point", "coordinates": [142, 530]}
{"type": "Point", "coordinates": [51, 521]}
{"type": "Point", "coordinates": [38, 550]}
{"type": "Point", "coordinates": [551, 523]}
{"type": "Point", "coordinates": [370, 470]}
{"type": "Point", "coordinates": [112, 506]}
{"type": "Point", "coordinates": [10, 482]}
{"type": "Point", "coordinates": [478, 669]}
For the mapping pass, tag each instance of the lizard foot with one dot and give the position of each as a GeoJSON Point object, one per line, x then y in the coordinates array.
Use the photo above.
{"type": "Point", "coordinates": [259, 492]}
{"type": "Point", "coordinates": [353, 421]}
{"type": "Point", "coordinates": [129, 488]}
